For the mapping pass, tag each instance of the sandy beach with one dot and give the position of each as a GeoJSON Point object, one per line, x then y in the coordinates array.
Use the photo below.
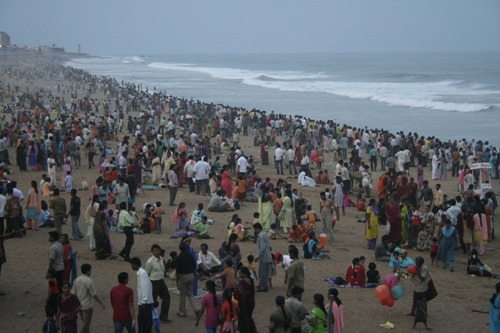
{"type": "Point", "coordinates": [461, 305]}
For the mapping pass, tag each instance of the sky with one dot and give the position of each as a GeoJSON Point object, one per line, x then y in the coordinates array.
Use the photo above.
{"type": "Point", "coordinates": [136, 27]}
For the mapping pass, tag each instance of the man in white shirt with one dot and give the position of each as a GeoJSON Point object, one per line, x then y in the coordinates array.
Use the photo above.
{"type": "Point", "coordinates": [290, 156]}
{"type": "Point", "coordinates": [144, 297]}
{"type": "Point", "coordinates": [278, 159]}
{"type": "Point", "coordinates": [155, 268]}
{"type": "Point", "coordinates": [201, 170]}
{"type": "Point", "coordinates": [188, 170]}
{"type": "Point", "coordinates": [242, 164]}
{"type": "Point", "coordinates": [208, 263]}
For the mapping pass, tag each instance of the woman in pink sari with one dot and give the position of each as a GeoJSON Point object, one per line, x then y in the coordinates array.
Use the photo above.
{"type": "Point", "coordinates": [65, 168]}
{"type": "Point", "coordinates": [335, 312]}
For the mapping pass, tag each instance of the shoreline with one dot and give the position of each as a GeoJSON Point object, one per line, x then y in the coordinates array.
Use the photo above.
{"type": "Point", "coordinates": [353, 111]}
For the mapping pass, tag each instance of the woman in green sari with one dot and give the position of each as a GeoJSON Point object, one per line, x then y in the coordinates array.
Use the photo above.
{"type": "Point", "coordinates": [318, 320]}
{"type": "Point", "coordinates": [266, 209]}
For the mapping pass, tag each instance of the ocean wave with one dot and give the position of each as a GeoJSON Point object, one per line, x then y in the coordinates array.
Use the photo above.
{"type": "Point", "coordinates": [429, 95]}
{"type": "Point", "coordinates": [239, 74]}
{"type": "Point", "coordinates": [133, 59]}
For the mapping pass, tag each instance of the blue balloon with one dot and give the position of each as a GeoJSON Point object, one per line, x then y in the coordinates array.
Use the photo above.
{"type": "Point", "coordinates": [397, 291]}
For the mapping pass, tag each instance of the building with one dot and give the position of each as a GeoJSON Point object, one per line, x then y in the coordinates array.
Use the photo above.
{"type": "Point", "coordinates": [4, 39]}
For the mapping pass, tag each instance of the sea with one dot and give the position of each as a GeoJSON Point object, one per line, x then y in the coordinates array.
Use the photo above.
{"type": "Point", "coordinates": [447, 95]}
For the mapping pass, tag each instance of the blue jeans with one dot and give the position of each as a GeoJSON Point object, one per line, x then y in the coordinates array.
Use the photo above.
{"type": "Point", "coordinates": [210, 330]}
{"type": "Point", "coordinates": [75, 229]}
{"type": "Point", "coordinates": [120, 325]}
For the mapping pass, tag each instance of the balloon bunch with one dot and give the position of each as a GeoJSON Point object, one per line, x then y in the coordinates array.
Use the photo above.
{"type": "Point", "coordinates": [390, 291]}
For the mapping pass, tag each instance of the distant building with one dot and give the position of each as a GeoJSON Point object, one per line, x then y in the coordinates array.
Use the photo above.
{"type": "Point", "coordinates": [4, 39]}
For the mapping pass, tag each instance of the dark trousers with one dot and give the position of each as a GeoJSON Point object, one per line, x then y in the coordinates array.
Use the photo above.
{"type": "Point", "coordinates": [145, 318]}
{"type": "Point", "coordinates": [129, 241]}
{"type": "Point", "coordinates": [160, 289]}
{"type": "Point", "coordinates": [2, 225]}
{"type": "Point", "coordinates": [173, 194]}
{"type": "Point", "coordinates": [455, 167]}
{"type": "Point", "coordinates": [12, 224]}
{"type": "Point", "coordinates": [191, 185]}
{"type": "Point", "coordinates": [201, 186]}
{"type": "Point", "coordinates": [120, 325]}
{"type": "Point", "coordinates": [373, 163]}
{"type": "Point", "coordinates": [279, 166]}
{"type": "Point", "coordinates": [416, 297]}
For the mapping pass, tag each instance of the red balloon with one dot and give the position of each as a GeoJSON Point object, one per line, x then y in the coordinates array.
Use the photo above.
{"type": "Point", "coordinates": [382, 292]}
{"type": "Point", "coordinates": [390, 301]}
{"type": "Point", "coordinates": [412, 270]}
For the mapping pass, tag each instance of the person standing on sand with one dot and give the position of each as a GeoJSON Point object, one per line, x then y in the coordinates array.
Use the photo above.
{"type": "Point", "coordinates": [58, 206]}
{"type": "Point", "coordinates": [264, 257]}
{"type": "Point", "coordinates": [122, 302]}
{"type": "Point", "coordinates": [84, 289]}
{"type": "Point", "coordinates": [326, 214]}
{"type": "Point", "coordinates": [155, 267]}
{"type": "Point", "coordinates": [420, 284]}
{"type": "Point", "coordinates": [74, 212]}
{"type": "Point", "coordinates": [126, 222]}
{"type": "Point", "coordinates": [144, 297]}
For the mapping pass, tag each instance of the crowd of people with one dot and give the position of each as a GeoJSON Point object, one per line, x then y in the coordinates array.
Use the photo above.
{"type": "Point", "coordinates": [164, 141]}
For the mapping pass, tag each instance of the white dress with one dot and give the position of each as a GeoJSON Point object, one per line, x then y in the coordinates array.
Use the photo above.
{"type": "Point", "coordinates": [338, 197]}
{"type": "Point", "coordinates": [435, 167]}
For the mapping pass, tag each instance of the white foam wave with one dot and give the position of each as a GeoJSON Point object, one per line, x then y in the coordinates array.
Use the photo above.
{"type": "Point", "coordinates": [430, 95]}
{"type": "Point", "coordinates": [238, 74]}
{"type": "Point", "coordinates": [134, 59]}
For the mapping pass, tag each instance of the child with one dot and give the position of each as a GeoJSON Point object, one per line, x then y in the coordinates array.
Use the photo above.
{"type": "Point", "coordinates": [311, 217]}
{"type": "Point", "coordinates": [372, 276]}
{"type": "Point", "coordinates": [158, 212]}
{"type": "Point", "coordinates": [359, 193]}
{"type": "Point", "coordinates": [227, 276]}
{"type": "Point", "coordinates": [50, 325]}
{"type": "Point", "coordinates": [210, 303]}
{"type": "Point", "coordinates": [396, 264]}
{"type": "Point", "coordinates": [434, 249]}
{"type": "Point", "coordinates": [53, 293]}
{"type": "Point", "coordinates": [256, 217]}
{"type": "Point", "coordinates": [202, 228]}
{"type": "Point", "coordinates": [251, 267]}
{"type": "Point", "coordinates": [156, 318]}
{"type": "Point", "coordinates": [229, 313]}
{"type": "Point", "coordinates": [196, 215]}
{"type": "Point", "coordinates": [294, 236]}
{"type": "Point", "coordinates": [274, 232]}
{"type": "Point", "coordinates": [68, 181]}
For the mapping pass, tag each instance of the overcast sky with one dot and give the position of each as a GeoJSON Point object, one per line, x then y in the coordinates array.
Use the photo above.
{"type": "Point", "coordinates": [119, 27]}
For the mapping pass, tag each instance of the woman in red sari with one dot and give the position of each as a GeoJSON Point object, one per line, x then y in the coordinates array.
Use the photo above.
{"type": "Point", "coordinates": [395, 221]}
{"type": "Point", "coordinates": [69, 305]}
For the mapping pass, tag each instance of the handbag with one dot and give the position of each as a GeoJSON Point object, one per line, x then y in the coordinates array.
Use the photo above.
{"type": "Point", "coordinates": [431, 292]}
